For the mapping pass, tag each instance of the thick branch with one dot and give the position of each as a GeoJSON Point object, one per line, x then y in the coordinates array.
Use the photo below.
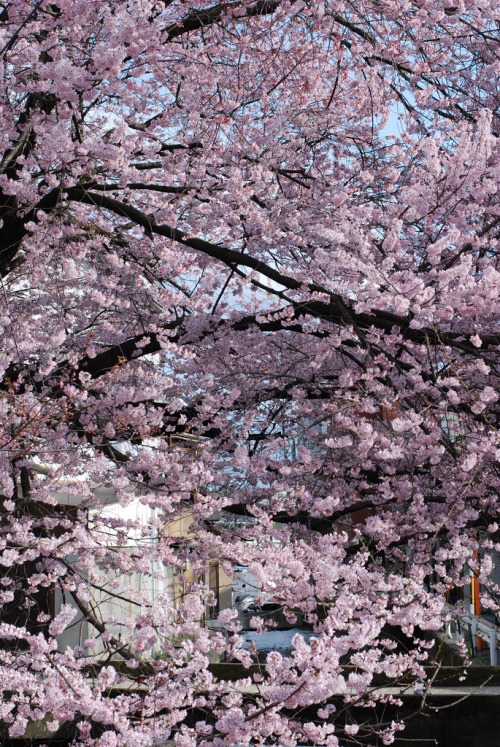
{"type": "Point", "coordinates": [198, 19]}
{"type": "Point", "coordinates": [337, 311]}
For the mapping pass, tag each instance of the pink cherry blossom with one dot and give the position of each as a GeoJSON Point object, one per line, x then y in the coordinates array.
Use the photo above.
{"type": "Point", "coordinates": [249, 316]}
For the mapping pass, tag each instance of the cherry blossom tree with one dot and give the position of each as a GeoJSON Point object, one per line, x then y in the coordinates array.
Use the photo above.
{"type": "Point", "coordinates": [268, 229]}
